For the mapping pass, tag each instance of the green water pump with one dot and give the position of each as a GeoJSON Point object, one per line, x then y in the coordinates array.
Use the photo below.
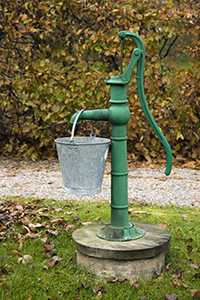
{"type": "Point", "coordinates": [118, 114]}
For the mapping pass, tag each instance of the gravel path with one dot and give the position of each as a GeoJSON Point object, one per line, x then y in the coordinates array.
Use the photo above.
{"type": "Point", "coordinates": [43, 180]}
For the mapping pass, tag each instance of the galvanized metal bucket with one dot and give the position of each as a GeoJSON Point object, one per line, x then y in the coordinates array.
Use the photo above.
{"type": "Point", "coordinates": [82, 161]}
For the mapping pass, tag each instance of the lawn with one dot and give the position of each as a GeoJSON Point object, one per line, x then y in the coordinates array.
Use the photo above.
{"type": "Point", "coordinates": [37, 254]}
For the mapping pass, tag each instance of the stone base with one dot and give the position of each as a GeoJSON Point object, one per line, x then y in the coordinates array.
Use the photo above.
{"type": "Point", "coordinates": [124, 269]}
{"type": "Point", "coordinates": [131, 260]}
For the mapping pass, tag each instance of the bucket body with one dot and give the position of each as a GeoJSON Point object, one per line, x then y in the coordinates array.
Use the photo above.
{"type": "Point", "coordinates": [82, 162]}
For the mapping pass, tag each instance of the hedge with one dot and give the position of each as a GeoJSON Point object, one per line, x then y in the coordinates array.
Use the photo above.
{"type": "Point", "coordinates": [55, 55]}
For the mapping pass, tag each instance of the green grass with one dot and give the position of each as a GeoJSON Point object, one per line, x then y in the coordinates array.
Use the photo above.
{"type": "Point", "coordinates": [32, 281]}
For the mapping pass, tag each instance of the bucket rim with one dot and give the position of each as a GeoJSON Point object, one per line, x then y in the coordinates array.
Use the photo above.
{"type": "Point", "coordinates": [67, 141]}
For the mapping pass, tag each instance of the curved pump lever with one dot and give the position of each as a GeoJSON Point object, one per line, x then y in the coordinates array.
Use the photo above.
{"type": "Point", "coordinates": [137, 57]}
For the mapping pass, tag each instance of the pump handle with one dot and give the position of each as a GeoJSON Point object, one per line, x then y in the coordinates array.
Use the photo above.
{"type": "Point", "coordinates": [138, 57]}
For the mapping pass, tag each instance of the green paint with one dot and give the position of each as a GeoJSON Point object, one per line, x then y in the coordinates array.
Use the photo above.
{"type": "Point", "coordinates": [118, 115]}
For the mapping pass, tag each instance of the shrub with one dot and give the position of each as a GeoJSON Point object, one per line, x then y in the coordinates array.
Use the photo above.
{"type": "Point", "coordinates": [55, 55]}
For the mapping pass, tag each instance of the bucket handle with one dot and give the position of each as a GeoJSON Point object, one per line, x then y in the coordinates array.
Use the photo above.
{"type": "Point", "coordinates": [75, 122]}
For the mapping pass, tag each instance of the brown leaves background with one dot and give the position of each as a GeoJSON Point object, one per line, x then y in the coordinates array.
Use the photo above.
{"type": "Point", "coordinates": [53, 62]}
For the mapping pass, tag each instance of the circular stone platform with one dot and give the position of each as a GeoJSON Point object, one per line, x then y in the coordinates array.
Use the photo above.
{"type": "Point", "coordinates": [137, 259]}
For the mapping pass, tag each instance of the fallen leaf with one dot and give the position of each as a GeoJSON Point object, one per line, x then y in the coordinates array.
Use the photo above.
{"type": "Point", "coordinates": [171, 297]}
{"type": "Point", "coordinates": [184, 217]}
{"type": "Point", "coordinates": [84, 285]}
{"type": "Point", "coordinates": [53, 261]}
{"type": "Point", "coordinates": [194, 266]}
{"type": "Point", "coordinates": [167, 267]}
{"type": "Point", "coordinates": [76, 218]}
{"type": "Point", "coordinates": [99, 294]}
{"type": "Point", "coordinates": [2, 227]}
{"type": "Point", "coordinates": [19, 207]}
{"type": "Point", "coordinates": [44, 240]}
{"type": "Point", "coordinates": [135, 285]}
{"type": "Point", "coordinates": [121, 279]}
{"type": "Point", "coordinates": [3, 270]}
{"type": "Point", "coordinates": [42, 209]}
{"type": "Point", "coordinates": [58, 221]}
{"type": "Point", "coordinates": [2, 235]}
{"type": "Point", "coordinates": [131, 210]}
{"type": "Point", "coordinates": [163, 226]}
{"type": "Point", "coordinates": [58, 209]}
{"type": "Point", "coordinates": [27, 228]}
{"type": "Point", "coordinates": [99, 290]}
{"type": "Point", "coordinates": [179, 273]}
{"type": "Point", "coordinates": [195, 294]}
{"type": "Point", "coordinates": [35, 226]}
{"type": "Point", "coordinates": [112, 279]}
{"type": "Point", "coordinates": [26, 259]}
{"type": "Point", "coordinates": [177, 283]}
{"type": "Point", "coordinates": [31, 235]}
{"type": "Point", "coordinates": [49, 249]}
{"type": "Point", "coordinates": [25, 220]}
{"type": "Point", "coordinates": [69, 213]}
{"type": "Point", "coordinates": [69, 227]}
{"type": "Point", "coordinates": [52, 232]}
{"type": "Point", "coordinates": [86, 223]}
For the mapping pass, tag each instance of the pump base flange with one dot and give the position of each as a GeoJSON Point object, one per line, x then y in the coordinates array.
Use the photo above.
{"type": "Point", "coordinates": [120, 234]}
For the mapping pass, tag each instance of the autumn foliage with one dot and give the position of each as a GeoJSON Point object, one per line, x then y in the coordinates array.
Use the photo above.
{"type": "Point", "coordinates": [55, 55]}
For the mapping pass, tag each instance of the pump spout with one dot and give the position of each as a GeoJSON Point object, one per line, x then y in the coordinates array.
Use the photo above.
{"type": "Point", "coordinates": [95, 114]}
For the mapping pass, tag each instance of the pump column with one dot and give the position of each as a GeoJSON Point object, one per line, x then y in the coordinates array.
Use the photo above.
{"type": "Point", "coordinates": [119, 115]}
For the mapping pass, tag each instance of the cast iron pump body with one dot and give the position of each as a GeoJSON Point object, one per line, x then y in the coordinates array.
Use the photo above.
{"type": "Point", "coordinates": [118, 114]}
